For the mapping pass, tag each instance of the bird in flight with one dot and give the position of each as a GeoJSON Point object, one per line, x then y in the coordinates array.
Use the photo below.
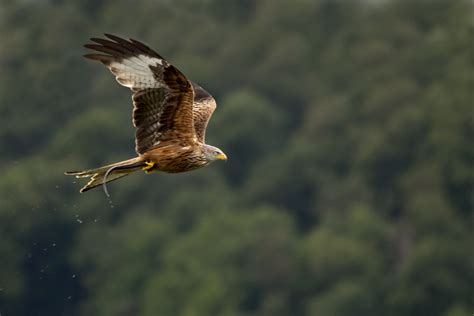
{"type": "Point", "coordinates": [170, 113]}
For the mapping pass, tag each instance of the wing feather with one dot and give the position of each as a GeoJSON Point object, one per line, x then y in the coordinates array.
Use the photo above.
{"type": "Point", "coordinates": [203, 107]}
{"type": "Point", "coordinates": [162, 95]}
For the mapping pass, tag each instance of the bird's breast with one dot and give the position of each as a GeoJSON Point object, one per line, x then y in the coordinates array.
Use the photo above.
{"type": "Point", "coordinates": [176, 160]}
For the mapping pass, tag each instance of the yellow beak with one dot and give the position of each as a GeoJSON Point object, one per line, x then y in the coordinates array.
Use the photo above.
{"type": "Point", "coordinates": [221, 156]}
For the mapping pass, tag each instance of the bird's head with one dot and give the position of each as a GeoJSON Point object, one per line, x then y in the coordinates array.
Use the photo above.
{"type": "Point", "coordinates": [213, 153]}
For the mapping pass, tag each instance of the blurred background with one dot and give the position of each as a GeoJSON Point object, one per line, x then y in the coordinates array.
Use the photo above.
{"type": "Point", "coordinates": [349, 185]}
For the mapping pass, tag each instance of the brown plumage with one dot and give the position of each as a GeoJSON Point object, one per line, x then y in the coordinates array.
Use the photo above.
{"type": "Point", "coordinates": [170, 112]}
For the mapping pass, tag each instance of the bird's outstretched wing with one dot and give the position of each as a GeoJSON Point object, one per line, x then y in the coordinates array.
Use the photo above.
{"type": "Point", "coordinates": [162, 95]}
{"type": "Point", "coordinates": [203, 107]}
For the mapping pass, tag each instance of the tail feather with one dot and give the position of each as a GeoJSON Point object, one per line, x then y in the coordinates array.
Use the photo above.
{"type": "Point", "coordinates": [108, 173]}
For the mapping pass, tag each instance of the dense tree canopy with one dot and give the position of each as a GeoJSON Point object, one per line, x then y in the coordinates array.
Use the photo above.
{"type": "Point", "coordinates": [348, 190]}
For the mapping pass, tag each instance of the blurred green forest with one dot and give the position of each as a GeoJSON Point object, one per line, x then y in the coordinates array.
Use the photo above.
{"type": "Point", "coordinates": [349, 186]}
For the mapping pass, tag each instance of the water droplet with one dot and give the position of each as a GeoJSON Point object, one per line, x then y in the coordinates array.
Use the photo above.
{"type": "Point", "coordinates": [69, 297]}
{"type": "Point", "coordinates": [111, 204]}
{"type": "Point", "coordinates": [79, 221]}
{"type": "Point", "coordinates": [53, 244]}
{"type": "Point", "coordinates": [73, 276]}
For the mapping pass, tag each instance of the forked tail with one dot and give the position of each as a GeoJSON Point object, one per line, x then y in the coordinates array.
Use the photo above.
{"type": "Point", "coordinates": [108, 173]}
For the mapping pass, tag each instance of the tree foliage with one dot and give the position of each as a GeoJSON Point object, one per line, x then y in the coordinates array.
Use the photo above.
{"type": "Point", "coordinates": [348, 191]}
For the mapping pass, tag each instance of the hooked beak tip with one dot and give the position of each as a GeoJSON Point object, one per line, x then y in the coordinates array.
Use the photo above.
{"type": "Point", "coordinates": [221, 156]}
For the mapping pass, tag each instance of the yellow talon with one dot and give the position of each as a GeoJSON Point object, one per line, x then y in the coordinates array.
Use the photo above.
{"type": "Point", "coordinates": [149, 165]}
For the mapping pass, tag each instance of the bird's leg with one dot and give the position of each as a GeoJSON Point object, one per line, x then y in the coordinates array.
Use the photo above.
{"type": "Point", "coordinates": [149, 165]}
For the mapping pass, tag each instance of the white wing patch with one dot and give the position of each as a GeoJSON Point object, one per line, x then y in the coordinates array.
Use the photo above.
{"type": "Point", "coordinates": [135, 73]}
